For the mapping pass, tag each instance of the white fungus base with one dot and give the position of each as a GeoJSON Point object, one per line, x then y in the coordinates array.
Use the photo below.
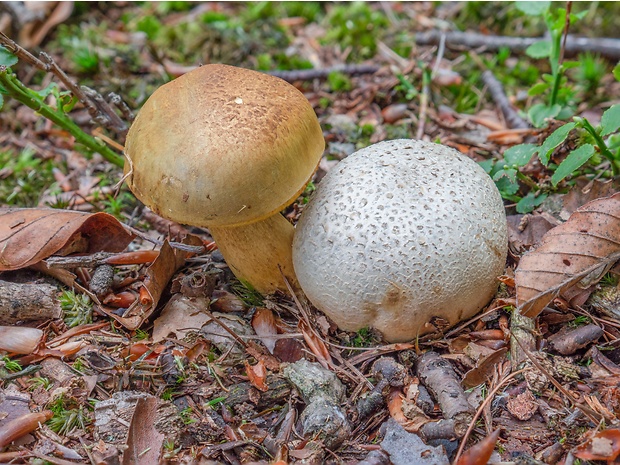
{"type": "Point", "coordinates": [400, 233]}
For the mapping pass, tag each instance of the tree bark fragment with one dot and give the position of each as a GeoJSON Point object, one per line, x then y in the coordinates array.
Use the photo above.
{"type": "Point", "coordinates": [441, 380]}
{"type": "Point", "coordinates": [28, 302]}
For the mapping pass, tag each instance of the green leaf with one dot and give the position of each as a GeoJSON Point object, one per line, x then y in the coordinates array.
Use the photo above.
{"type": "Point", "coordinates": [150, 25]}
{"type": "Point", "coordinates": [574, 161]}
{"type": "Point", "coordinates": [571, 64]}
{"type": "Point", "coordinates": [486, 165]}
{"type": "Point", "coordinates": [1, 101]}
{"type": "Point", "coordinates": [533, 8]}
{"type": "Point", "coordinates": [529, 202]}
{"type": "Point", "coordinates": [616, 71]}
{"type": "Point", "coordinates": [510, 174]}
{"type": "Point", "coordinates": [555, 138]}
{"type": "Point", "coordinates": [520, 155]}
{"type": "Point", "coordinates": [52, 87]}
{"type": "Point", "coordinates": [506, 187]}
{"type": "Point", "coordinates": [538, 89]}
{"type": "Point", "coordinates": [540, 49]}
{"type": "Point", "coordinates": [578, 16]}
{"type": "Point", "coordinates": [539, 112]}
{"type": "Point", "coordinates": [7, 58]}
{"type": "Point", "coordinates": [610, 122]}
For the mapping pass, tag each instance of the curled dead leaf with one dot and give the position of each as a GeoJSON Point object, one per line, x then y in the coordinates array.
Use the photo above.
{"type": "Point", "coordinates": [264, 324]}
{"type": "Point", "coordinates": [604, 445]}
{"type": "Point", "coordinates": [578, 252]}
{"type": "Point", "coordinates": [479, 454]}
{"type": "Point", "coordinates": [257, 375]}
{"type": "Point", "coordinates": [158, 274]}
{"type": "Point", "coordinates": [29, 235]}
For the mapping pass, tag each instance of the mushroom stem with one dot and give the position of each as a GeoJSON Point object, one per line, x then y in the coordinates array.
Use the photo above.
{"type": "Point", "coordinates": [257, 251]}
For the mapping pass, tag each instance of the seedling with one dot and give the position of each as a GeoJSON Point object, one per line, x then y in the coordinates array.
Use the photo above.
{"type": "Point", "coordinates": [186, 416]}
{"type": "Point", "coordinates": [559, 96]}
{"type": "Point", "coordinates": [67, 417]}
{"type": "Point", "coordinates": [11, 86]}
{"type": "Point", "coordinates": [11, 365]}
{"type": "Point", "coordinates": [77, 308]}
{"type": "Point", "coordinates": [39, 381]}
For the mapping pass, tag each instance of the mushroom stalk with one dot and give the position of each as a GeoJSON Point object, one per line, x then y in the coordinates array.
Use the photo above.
{"type": "Point", "coordinates": [256, 253]}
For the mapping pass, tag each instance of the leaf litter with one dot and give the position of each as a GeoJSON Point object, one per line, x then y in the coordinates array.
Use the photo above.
{"type": "Point", "coordinates": [228, 400]}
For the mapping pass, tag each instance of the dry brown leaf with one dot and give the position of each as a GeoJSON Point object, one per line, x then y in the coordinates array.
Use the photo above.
{"type": "Point", "coordinates": [157, 277]}
{"type": "Point", "coordinates": [264, 324]}
{"type": "Point", "coordinates": [180, 316]}
{"type": "Point", "coordinates": [257, 375]}
{"type": "Point", "coordinates": [578, 251]}
{"type": "Point", "coordinates": [484, 368]}
{"type": "Point", "coordinates": [29, 235]}
{"type": "Point", "coordinates": [316, 345]}
{"type": "Point", "coordinates": [143, 440]}
{"type": "Point", "coordinates": [604, 445]}
{"type": "Point", "coordinates": [480, 453]}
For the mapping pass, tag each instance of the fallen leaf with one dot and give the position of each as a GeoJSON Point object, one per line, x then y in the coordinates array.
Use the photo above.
{"type": "Point", "coordinates": [29, 235]}
{"type": "Point", "coordinates": [525, 231]}
{"type": "Point", "coordinates": [579, 251]}
{"type": "Point", "coordinates": [158, 274]}
{"type": "Point", "coordinates": [264, 324]}
{"type": "Point", "coordinates": [144, 442]}
{"type": "Point", "coordinates": [584, 191]}
{"type": "Point", "coordinates": [22, 425]}
{"type": "Point", "coordinates": [480, 453]}
{"type": "Point", "coordinates": [604, 445]}
{"type": "Point", "coordinates": [484, 369]}
{"type": "Point", "coordinates": [257, 375]}
{"type": "Point", "coordinates": [180, 316]}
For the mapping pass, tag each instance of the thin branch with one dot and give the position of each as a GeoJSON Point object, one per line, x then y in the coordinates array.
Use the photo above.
{"type": "Point", "coordinates": [607, 47]}
{"type": "Point", "coordinates": [22, 94]}
{"type": "Point", "coordinates": [100, 111]}
{"type": "Point", "coordinates": [496, 90]}
{"type": "Point", "coordinates": [310, 74]}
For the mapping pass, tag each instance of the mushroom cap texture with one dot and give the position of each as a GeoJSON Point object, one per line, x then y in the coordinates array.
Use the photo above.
{"type": "Point", "coordinates": [222, 146]}
{"type": "Point", "coordinates": [398, 233]}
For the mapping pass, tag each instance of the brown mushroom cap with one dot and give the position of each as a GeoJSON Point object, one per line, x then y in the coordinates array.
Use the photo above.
{"type": "Point", "coordinates": [222, 146]}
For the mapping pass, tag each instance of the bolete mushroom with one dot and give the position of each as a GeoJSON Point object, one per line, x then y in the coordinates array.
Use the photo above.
{"type": "Point", "coordinates": [228, 148]}
{"type": "Point", "coordinates": [399, 236]}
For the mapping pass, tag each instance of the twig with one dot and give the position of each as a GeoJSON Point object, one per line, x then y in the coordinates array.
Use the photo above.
{"type": "Point", "coordinates": [569, 5]}
{"type": "Point", "coordinates": [607, 47]}
{"type": "Point", "coordinates": [234, 335]}
{"type": "Point", "coordinates": [488, 399]}
{"type": "Point", "coordinates": [424, 96]}
{"type": "Point", "coordinates": [587, 411]}
{"type": "Point", "coordinates": [22, 94]}
{"type": "Point", "coordinates": [100, 111]}
{"type": "Point", "coordinates": [310, 74]}
{"type": "Point", "coordinates": [496, 90]}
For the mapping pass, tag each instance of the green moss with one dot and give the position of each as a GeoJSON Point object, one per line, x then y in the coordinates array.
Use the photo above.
{"type": "Point", "coordinates": [23, 178]}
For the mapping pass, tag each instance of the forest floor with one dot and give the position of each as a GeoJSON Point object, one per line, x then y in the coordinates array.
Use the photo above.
{"type": "Point", "coordinates": [118, 348]}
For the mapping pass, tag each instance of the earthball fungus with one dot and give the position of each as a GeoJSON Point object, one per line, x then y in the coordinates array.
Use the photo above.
{"type": "Point", "coordinates": [228, 148]}
{"type": "Point", "coordinates": [403, 236]}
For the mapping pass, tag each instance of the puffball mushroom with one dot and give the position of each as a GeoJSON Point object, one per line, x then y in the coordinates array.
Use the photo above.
{"type": "Point", "coordinates": [228, 148]}
{"type": "Point", "coordinates": [401, 234]}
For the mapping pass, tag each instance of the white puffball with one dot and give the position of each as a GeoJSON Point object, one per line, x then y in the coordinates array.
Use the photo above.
{"type": "Point", "coordinates": [399, 233]}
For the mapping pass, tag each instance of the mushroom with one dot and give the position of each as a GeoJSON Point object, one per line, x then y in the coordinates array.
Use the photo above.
{"type": "Point", "coordinates": [402, 236]}
{"type": "Point", "coordinates": [228, 148]}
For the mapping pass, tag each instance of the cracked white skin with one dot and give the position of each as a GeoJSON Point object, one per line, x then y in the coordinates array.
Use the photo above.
{"type": "Point", "coordinates": [398, 233]}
